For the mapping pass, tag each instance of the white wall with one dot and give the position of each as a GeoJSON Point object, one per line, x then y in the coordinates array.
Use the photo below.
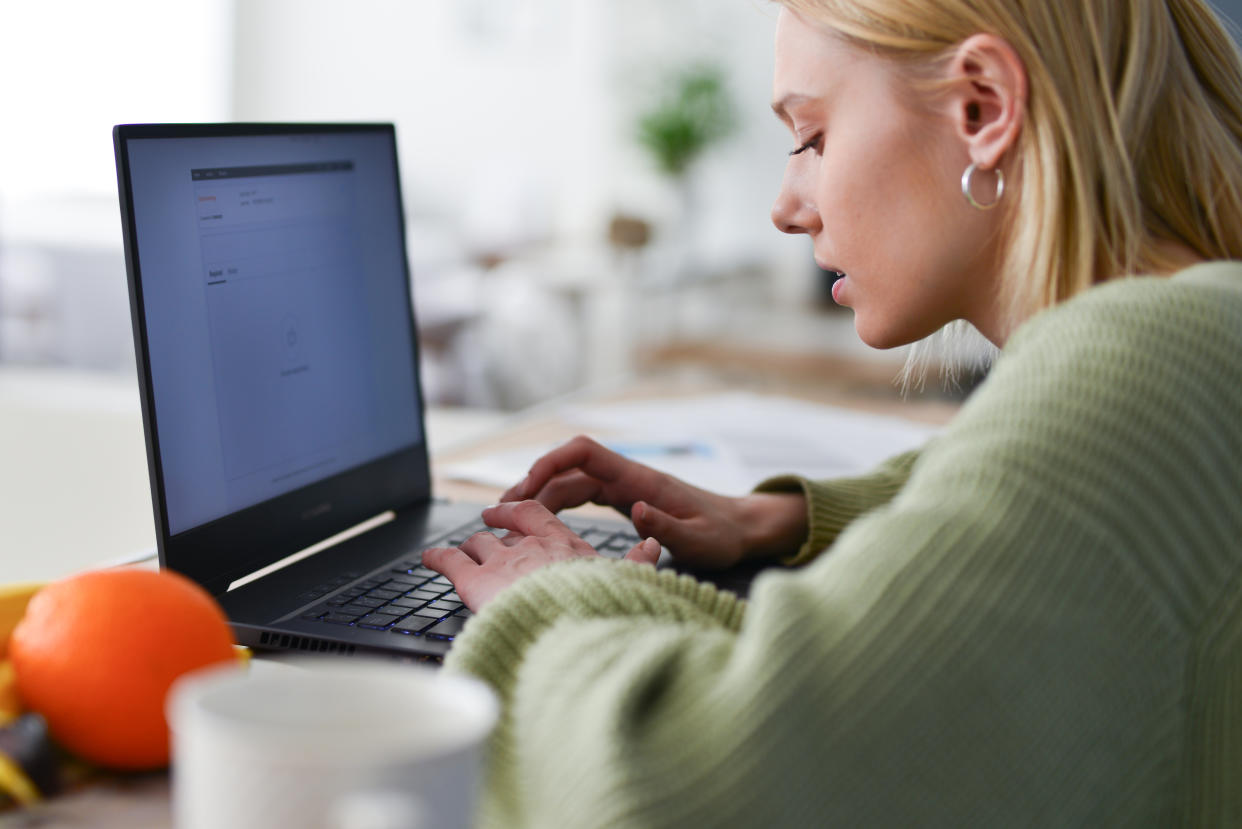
{"type": "Point", "coordinates": [72, 69]}
{"type": "Point", "coordinates": [516, 117]}
{"type": "Point", "coordinates": [69, 71]}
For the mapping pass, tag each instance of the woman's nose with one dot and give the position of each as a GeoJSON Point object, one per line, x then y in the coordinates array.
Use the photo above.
{"type": "Point", "coordinates": [793, 212]}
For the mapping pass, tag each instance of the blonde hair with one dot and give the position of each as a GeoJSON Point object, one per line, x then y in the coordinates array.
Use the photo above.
{"type": "Point", "coordinates": [1132, 136]}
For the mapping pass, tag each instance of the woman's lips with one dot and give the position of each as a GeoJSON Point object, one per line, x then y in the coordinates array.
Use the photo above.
{"type": "Point", "coordinates": [837, 287]}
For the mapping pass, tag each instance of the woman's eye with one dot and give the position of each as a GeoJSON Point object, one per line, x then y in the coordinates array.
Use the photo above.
{"type": "Point", "coordinates": [808, 145]}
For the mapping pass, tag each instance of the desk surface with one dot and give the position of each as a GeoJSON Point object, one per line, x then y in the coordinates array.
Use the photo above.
{"type": "Point", "coordinates": [74, 493]}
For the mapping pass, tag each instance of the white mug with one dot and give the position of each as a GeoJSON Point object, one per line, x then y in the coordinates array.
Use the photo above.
{"type": "Point", "coordinates": [331, 743]}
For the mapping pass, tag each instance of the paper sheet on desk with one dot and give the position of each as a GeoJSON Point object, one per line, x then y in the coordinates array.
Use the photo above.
{"type": "Point", "coordinates": [726, 443]}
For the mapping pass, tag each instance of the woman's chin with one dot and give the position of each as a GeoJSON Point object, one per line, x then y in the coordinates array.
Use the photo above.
{"type": "Point", "coordinates": [878, 337]}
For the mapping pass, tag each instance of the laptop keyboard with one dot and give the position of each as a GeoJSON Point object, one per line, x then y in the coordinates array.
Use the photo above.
{"type": "Point", "coordinates": [412, 600]}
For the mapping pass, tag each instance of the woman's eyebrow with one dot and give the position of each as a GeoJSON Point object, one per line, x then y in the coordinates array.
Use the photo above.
{"type": "Point", "coordinates": [782, 105]}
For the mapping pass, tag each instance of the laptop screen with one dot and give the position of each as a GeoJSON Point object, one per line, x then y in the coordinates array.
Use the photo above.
{"type": "Point", "coordinates": [276, 305]}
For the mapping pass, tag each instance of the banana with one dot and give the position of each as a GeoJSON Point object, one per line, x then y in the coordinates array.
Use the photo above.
{"type": "Point", "coordinates": [10, 701]}
{"type": "Point", "coordinates": [13, 601]}
{"type": "Point", "coordinates": [14, 783]}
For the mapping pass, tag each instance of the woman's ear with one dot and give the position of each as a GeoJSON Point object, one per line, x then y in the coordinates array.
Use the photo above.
{"type": "Point", "coordinates": [987, 100]}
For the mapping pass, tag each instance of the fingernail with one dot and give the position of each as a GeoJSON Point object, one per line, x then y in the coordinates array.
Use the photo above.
{"type": "Point", "coordinates": [640, 511]}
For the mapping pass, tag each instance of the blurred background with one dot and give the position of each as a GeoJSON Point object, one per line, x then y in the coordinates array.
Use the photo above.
{"type": "Point", "coordinates": [587, 182]}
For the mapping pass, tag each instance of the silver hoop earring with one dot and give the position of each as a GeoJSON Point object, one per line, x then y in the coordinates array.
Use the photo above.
{"type": "Point", "coordinates": [1000, 188]}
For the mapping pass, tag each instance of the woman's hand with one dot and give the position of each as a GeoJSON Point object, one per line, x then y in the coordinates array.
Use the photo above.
{"type": "Point", "coordinates": [486, 564]}
{"type": "Point", "coordinates": [699, 528]}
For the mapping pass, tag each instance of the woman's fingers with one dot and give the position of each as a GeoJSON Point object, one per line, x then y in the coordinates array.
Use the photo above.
{"type": "Point", "coordinates": [525, 517]}
{"type": "Point", "coordinates": [658, 524]}
{"type": "Point", "coordinates": [456, 566]}
{"type": "Point", "coordinates": [580, 453]}
{"type": "Point", "coordinates": [702, 540]}
{"type": "Point", "coordinates": [481, 546]}
{"type": "Point", "coordinates": [570, 489]}
{"type": "Point", "coordinates": [646, 551]}
{"type": "Point", "coordinates": [512, 493]}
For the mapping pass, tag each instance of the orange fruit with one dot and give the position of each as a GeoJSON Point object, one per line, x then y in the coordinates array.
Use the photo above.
{"type": "Point", "coordinates": [96, 653]}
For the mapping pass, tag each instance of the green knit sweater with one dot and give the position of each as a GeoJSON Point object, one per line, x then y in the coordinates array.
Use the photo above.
{"type": "Point", "coordinates": [1037, 621]}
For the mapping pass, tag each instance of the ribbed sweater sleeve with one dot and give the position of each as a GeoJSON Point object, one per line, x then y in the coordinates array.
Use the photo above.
{"type": "Point", "coordinates": [581, 599]}
{"type": "Point", "coordinates": [1042, 627]}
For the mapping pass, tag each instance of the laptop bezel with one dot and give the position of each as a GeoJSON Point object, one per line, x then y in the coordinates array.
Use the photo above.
{"type": "Point", "coordinates": [221, 551]}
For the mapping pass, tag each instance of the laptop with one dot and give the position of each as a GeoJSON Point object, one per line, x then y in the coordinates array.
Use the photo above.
{"type": "Point", "coordinates": [278, 366]}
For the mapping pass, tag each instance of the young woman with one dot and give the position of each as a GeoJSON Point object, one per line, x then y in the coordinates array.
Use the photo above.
{"type": "Point", "coordinates": [1035, 620]}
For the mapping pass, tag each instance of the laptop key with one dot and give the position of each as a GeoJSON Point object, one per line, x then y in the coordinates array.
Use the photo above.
{"type": "Point", "coordinates": [384, 593]}
{"type": "Point", "coordinates": [367, 601]}
{"type": "Point", "coordinates": [418, 624]}
{"type": "Point", "coordinates": [430, 613]}
{"type": "Point", "coordinates": [338, 619]}
{"type": "Point", "coordinates": [595, 537]}
{"type": "Point", "coordinates": [405, 601]}
{"type": "Point", "coordinates": [445, 628]}
{"type": "Point", "coordinates": [376, 621]}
